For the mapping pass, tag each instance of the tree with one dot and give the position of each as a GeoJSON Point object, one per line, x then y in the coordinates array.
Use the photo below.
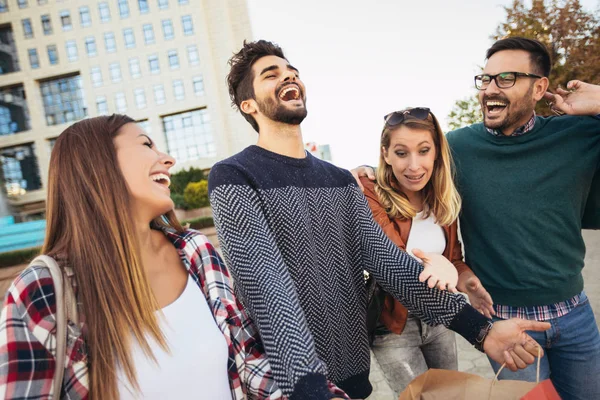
{"type": "Point", "coordinates": [465, 112]}
{"type": "Point", "coordinates": [196, 194]}
{"type": "Point", "coordinates": [571, 34]}
{"type": "Point", "coordinates": [180, 179]}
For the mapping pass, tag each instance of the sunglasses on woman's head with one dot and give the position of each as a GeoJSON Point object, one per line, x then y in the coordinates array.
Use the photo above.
{"type": "Point", "coordinates": [397, 117]}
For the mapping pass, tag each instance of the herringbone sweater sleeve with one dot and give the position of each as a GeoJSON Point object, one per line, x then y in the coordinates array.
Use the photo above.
{"type": "Point", "coordinates": [398, 273]}
{"type": "Point", "coordinates": [264, 286]}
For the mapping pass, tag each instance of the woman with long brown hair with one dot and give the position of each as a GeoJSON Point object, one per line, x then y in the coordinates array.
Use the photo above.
{"type": "Point", "coordinates": [158, 317]}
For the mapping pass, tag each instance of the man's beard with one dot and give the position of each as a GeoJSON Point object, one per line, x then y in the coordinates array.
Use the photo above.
{"type": "Point", "coordinates": [278, 112]}
{"type": "Point", "coordinates": [519, 110]}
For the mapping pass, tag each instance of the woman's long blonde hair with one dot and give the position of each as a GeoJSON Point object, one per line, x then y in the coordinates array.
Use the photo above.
{"type": "Point", "coordinates": [90, 229]}
{"type": "Point", "coordinates": [440, 196]}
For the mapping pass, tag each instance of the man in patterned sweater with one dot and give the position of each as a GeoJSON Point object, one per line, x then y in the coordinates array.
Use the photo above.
{"type": "Point", "coordinates": [297, 233]}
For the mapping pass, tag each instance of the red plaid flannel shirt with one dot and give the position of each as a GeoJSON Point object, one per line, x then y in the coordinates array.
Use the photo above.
{"type": "Point", "coordinates": [28, 342]}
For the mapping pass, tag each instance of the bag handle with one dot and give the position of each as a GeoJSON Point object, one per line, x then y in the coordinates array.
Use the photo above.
{"type": "Point", "coordinates": [65, 308]}
{"type": "Point", "coordinates": [537, 377]}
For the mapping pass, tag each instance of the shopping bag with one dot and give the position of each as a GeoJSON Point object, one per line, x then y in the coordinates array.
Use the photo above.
{"type": "Point", "coordinates": [544, 390]}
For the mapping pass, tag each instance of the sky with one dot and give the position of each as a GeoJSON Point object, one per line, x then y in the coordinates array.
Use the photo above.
{"type": "Point", "coordinates": [363, 59]}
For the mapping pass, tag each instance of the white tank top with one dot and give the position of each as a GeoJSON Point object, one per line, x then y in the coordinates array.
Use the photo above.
{"type": "Point", "coordinates": [426, 235]}
{"type": "Point", "coordinates": [197, 365]}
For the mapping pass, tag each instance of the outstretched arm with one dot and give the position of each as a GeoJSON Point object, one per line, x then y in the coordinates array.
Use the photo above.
{"type": "Point", "coordinates": [580, 98]}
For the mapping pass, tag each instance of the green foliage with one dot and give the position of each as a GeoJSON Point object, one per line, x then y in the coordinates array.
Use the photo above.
{"type": "Point", "coordinates": [180, 180]}
{"type": "Point", "coordinates": [196, 194]}
{"type": "Point", "coordinates": [179, 201]}
{"type": "Point", "coordinates": [200, 223]}
{"type": "Point", "coordinates": [17, 257]}
{"type": "Point", "coordinates": [465, 112]}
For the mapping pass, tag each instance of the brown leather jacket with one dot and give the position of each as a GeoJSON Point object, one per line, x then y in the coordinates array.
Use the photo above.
{"type": "Point", "coordinates": [394, 314]}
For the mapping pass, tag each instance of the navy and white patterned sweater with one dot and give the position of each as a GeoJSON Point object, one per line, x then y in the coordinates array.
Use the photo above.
{"type": "Point", "coordinates": [296, 235]}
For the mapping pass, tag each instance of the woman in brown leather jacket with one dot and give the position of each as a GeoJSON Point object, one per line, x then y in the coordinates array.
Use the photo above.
{"type": "Point", "coordinates": [416, 204]}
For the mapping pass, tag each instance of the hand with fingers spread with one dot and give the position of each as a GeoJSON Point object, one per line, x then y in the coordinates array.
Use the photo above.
{"type": "Point", "coordinates": [363, 170]}
{"type": "Point", "coordinates": [507, 342]}
{"type": "Point", "coordinates": [479, 298]}
{"type": "Point", "coordinates": [438, 271]}
{"type": "Point", "coordinates": [580, 98]}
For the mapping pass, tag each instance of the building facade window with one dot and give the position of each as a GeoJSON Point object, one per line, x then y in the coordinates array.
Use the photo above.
{"type": "Point", "coordinates": [84, 16]}
{"type": "Point", "coordinates": [143, 6]}
{"type": "Point", "coordinates": [27, 28]}
{"type": "Point", "coordinates": [123, 8]}
{"type": "Point", "coordinates": [14, 113]}
{"type": "Point", "coordinates": [173, 59]}
{"type": "Point", "coordinates": [34, 60]}
{"type": "Point", "coordinates": [163, 4]}
{"type": "Point", "coordinates": [42, 2]}
{"type": "Point", "coordinates": [104, 12]}
{"type": "Point", "coordinates": [22, 3]}
{"type": "Point", "coordinates": [52, 54]}
{"type": "Point", "coordinates": [129, 38]}
{"type": "Point", "coordinates": [182, 2]}
{"type": "Point", "coordinates": [198, 82]}
{"type": "Point", "coordinates": [109, 42]}
{"type": "Point", "coordinates": [167, 27]}
{"type": "Point", "coordinates": [71, 47]}
{"type": "Point", "coordinates": [159, 94]}
{"type": "Point", "coordinates": [46, 24]}
{"type": "Point", "coordinates": [20, 169]}
{"type": "Point", "coordinates": [193, 56]}
{"type": "Point", "coordinates": [140, 98]}
{"type": "Point", "coordinates": [115, 72]}
{"type": "Point", "coordinates": [153, 64]}
{"type": "Point", "coordinates": [188, 25]}
{"type": "Point", "coordinates": [178, 89]}
{"type": "Point", "coordinates": [101, 105]}
{"type": "Point", "coordinates": [63, 100]}
{"type": "Point", "coordinates": [9, 61]}
{"type": "Point", "coordinates": [90, 46]}
{"type": "Point", "coordinates": [134, 68]}
{"type": "Point", "coordinates": [120, 102]}
{"type": "Point", "coordinates": [96, 76]}
{"type": "Point", "coordinates": [3, 6]}
{"type": "Point", "coordinates": [148, 34]}
{"type": "Point", "coordinates": [65, 20]}
{"type": "Point", "coordinates": [189, 135]}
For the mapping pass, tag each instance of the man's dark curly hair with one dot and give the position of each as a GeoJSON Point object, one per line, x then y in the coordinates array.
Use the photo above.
{"type": "Point", "coordinates": [240, 76]}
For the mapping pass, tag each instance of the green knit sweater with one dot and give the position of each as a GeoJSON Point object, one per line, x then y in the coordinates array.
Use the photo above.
{"type": "Point", "coordinates": [523, 202]}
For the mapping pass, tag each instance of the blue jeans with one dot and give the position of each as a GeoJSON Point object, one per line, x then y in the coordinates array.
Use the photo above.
{"type": "Point", "coordinates": [572, 355]}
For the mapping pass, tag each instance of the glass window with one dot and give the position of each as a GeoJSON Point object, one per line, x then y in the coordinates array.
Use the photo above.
{"type": "Point", "coordinates": [96, 75]}
{"type": "Point", "coordinates": [140, 98]}
{"type": "Point", "coordinates": [3, 6]}
{"type": "Point", "coordinates": [9, 61]}
{"type": "Point", "coordinates": [154, 65]}
{"type": "Point", "coordinates": [123, 8]}
{"type": "Point", "coordinates": [168, 31]}
{"type": "Point", "coordinates": [110, 42]}
{"type": "Point", "coordinates": [101, 105]}
{"type": "Point", "coordinates": [148, 34]}
{"type": "Point", "coordinates": [189, 135]}
{"type": "Point", "coordinates": [159, 94]}
{"type": "Point", "coordinates": [193, 56]}
{"type": "Point", "coordinates": [188, 25]}
{"type": "Point", "coordinates": [20, 169]}
{"type": "Point", "coordinates": [104, 12]}
{"type": "Point", "coordinates": [84, 16]}
{"type": "Point", "coordinates": [90, 46]}
{"type": "Point", "coordinates": [22, 3]}
{"type": "Point", "coordinates": [65, 20]}
{"type": "Point", "coordinates": [42, 2]}
{"type": "Point", "coordinates": [115, 72]}
{"type": "Point", "coordinates": [27, 28]}
{"type": "Point", "coordinates": [143, 6]}
{"type": "Point", "coordinates": [71, 47]}
{"type": "Point", "coordinates": [63, 99]}
{"type": "Point", "coordinates": [163, 4]}
{"type": "Point", "coordinates": [46, 24]}
{"type": "Point", "coordinates": [120, 102]}
{"type": "Point", "coordinates": [52, 54]}
{"type": "Point", "coordinates": [198, 85]}
{"type": "Point", "coordinates": [184, 2]}
{"type": "Point", "coordinates": [129, 38]}
{"type": "Point", "coordinates": [14, 113]}
{"type": "Point", "coordinates": [173, 59]}
{"type": "Point", "coordinates": [134, 68]}
{"type": "Point", "coordinates": [34, 60]}
{"type": "Point", "coordinates": [178, 90]}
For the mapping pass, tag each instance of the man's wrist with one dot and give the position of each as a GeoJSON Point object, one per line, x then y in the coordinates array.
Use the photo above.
{"type": "Point", "coordinates": [483, 333]}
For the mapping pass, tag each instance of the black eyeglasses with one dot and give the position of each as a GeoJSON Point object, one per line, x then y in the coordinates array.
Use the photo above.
{"type": "Point", "coordinates": [397, 117]}
{"type": "Point", "coordinates": [504, 80]}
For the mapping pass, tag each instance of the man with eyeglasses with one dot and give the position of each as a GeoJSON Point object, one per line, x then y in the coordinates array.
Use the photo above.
{"type": "Point", "coordinates": [529, 185]}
